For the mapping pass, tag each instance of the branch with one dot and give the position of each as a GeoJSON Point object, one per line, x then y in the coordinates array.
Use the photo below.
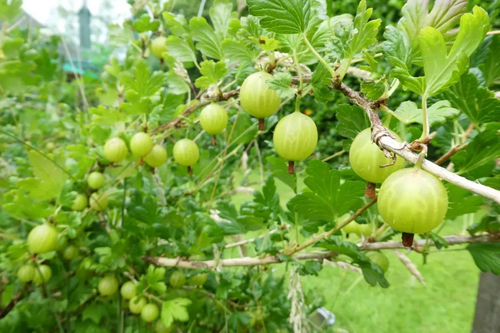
{"type": "Point", "coordinates": [191, 109]}
{"type": "Point", "coordinates": [338, 227]}
{"type": "Point", "coordinates": [250, 261]}
{"type": "Point", "coordinates": [383, 138]}
{"type": "Point", "coordinates": [450, 153]}
{"type": "Point", "coordinates": [410, 265]}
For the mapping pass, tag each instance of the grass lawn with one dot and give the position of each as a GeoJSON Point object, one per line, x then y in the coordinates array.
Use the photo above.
{"type": "Point", "coordinates": [444, 305]}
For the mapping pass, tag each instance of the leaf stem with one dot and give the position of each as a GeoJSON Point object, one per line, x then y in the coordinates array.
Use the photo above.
{"type": "Point", "coordinates": [320, 58]}
{"type": "Point", "coordinates": [425, 123]}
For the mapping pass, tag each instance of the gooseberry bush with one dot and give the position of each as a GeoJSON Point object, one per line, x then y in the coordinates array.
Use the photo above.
{"type": "Point", "coordinates": [121, 196]}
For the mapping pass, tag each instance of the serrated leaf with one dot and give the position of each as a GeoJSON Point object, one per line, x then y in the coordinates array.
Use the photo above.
{"type": "Point", "coordinates": [284, 17]}
{"type": "Point", "coordinates": [141, 86]}
{"type": "Point", "coordinates": [281, 82]}
{"type": "Point", "coordinates": [237, 51]}
{"type": "Point", "coordinates": [439, 241]}
{"type": "Point", "coordinates": [484, 148]}
{"type": "Point", "coordinates": [486, 256]}
{"type": "Point", "coordinates": [397, 48]}
{"type": "Point", "coordinates": [373, 89]}
{"type": "Point", "coordinates": [443, 68]}
{"type": "Point", "coordinates": [144, 23]}
{"type": "Point", "coordinates": [208, 42]}
{"type": "Point", "coordinates": [177, 23]}
{"type": "Point", "coordinates": [180, 50]}
{"type": "Point", "coordinates": [437, 113]}
{"type": "Point", "coordinates": [478, 103]}
{"type": "Point", "coordinates": [220, 16]}
{"type": "Point", "coordinates": [94, 312]}
{"type": "Point", "coordinates": [106, 117]}
{"type": "Point", "coordinates": [352, 120]}
{"type": "Point", "coordinates": [461, 202]}
{"type": "Point", "coordinates": [175, 309]}
{"type": "Point", "coordinates": [487, 60]}
{"type": "Point", "coordinates": [10, 10]}
{"type": "Point", "coordinates": [266, 43]}
{"type": "Point", "coordinates": [372, 273]}
{"type": "Point", "coordinates": [365, 31]}
{"type": "Point", "coordinates": [211, 72]}
{"type": "Point", "coordinates": [329, 198]}
{"type": "Point", "coordinates": [279, 170]}
{"type": "Point", "coordinates": [444, 16]}
{"type": "Point", "coordinates": [51, 176]}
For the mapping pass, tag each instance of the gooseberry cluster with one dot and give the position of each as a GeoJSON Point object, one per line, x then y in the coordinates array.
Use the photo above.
{"type": "Point", "coordinates": [410, 200]}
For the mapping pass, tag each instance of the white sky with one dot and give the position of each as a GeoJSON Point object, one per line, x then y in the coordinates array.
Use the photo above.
{"type": "Point", "coordinates": [46, 11]}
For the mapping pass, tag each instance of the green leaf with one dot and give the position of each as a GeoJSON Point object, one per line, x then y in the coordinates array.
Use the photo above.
{"type": "Point", "coordinates": [372, 273]}
{"type": "Point", "coordinates": [478, 103]}
{"type": "Point", "coordinates": [211, 72]}
{"type": "Point", "coordinates": [237, 51]}
{"type": "Point", "coordinates": [279, 170]}
{"type": "Point", "coordinates": [175, 309]}
{"type": "Point", "coordinates": [281, 82]}
{"type": "Point", "coordinates": [397, 48]}
{"type": "Point", "coordinates": [282, 16]}
{"type": "Point", "coordinates": [489, 63]}
{"type": "Point", "coordinates": [444, 16]}
{"type": "Point", "coordinates": [106, 117]}
{"type": "Point", "coordinates": [484, 148]}
{"type": "Point", "coordinates": [374, 89]}
{"type": "Point", "coordinates": [141, 86]}
{"type": "Point", "coordinates": [437, 113]}
{"type": "Point", "coordinates": [144, 23]}
{"type": "Point", "coordinates": [180, 50]}
{"type": "Point", "coordinates": [51, 176]}
{"type": "Point", "coordinates": [365, 31]}
{"type": "Point", "coordinates": [266, 43]}
{"type": "Point", "coordinates": [439, 241]}
{"type": "Point", "coordinates": [486, 256]}
{"type": "Point", "coordinates": [208, 42]}
{"type": "Point", "coordinates": [10, 10]}
{"type": "Point", "coordinates": [352, 120]}
{"type": "Point", "coordinates": [461, 202]}
{"type": "Point", "coordinates": [155, 279]}
{"type": "Point", "coordinates": [221, 15]}
{"type": "Point", "coordinates": [177, 23]}
{"type": "Point", "coordinates": [95, 312]}
{"type": "Point", "coordinates": [443, 68]}
{"type": "Point", "coordinates": [329, 198]}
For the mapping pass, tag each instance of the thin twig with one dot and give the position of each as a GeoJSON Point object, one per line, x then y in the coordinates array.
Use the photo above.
{"type": "Point", "coordinates": [250, 261]}
{"type": "Point", "coordinates": [450, 153]}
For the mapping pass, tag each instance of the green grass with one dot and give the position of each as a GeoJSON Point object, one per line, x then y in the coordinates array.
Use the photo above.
{"type": "Point", "coordinates": [444, 305]}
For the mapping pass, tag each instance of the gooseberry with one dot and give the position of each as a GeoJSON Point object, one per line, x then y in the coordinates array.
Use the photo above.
{"type": "Point", "coordinates": [42, 239]}
{"type": "Point", "coordinates": [186, 152]}
{"type": "Point", "coordinates": [71, 252]}
{"type": "Point", "coordinates": [156, 157]}
{"type": "Point", "coordinates": [140, 144]}
{"type": "Point", "coordinates": [43, 273]}
{"type": "Point", "coordinates": [295, 137]}
{"type": "Point", "coordinates": [412, 201]}
{"type": "Point", "coordinates": [99, 201]}
{"type": "Point", "coordinates": [257, 98]}
{"type": "Point", "coordinates": [136, 304]}
{"type": "Point", "coordinates": [26, 273]}
{"type": "Point", "coordinates": [366, 158]}
{"type": "Point", "coordinates": [213, 119]}
{"type": "Point", "coordinates": [80, 202]}
{"type": "Point", "coordinates": [379, 258]}
{"type": "Point", "coordinates": [108, 285]}
{"type": "Point", "coordinates": [149, 312]}
{"type": "Point", "coordinates": [95, 180]}
{"type": "Point", "coordinates": [159, 46]}
{"type": "Point", "coordinates": [115, 150]}
{"type": "Point", "coordinates": [199, 279]}
{"type": "Point", "coordinates": [177, 279]}
{"type": "Point", "coordinates": [160, 328]}
{"type": "Point", "coordinates": [128, 290]}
